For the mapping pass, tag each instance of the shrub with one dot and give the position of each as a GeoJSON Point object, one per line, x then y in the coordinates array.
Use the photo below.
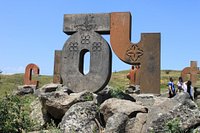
{"type": "Point", "coordinates": [173, 126]}
{"type": "Point", "coordinates": [117, 93]}
{"type": "Point", "coordinates": [13, 117]}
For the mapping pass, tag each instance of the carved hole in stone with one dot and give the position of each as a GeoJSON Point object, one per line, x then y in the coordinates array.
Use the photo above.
{"type": "Point", "coordinates": [84, 61]}
{"type": "Point", "coordinates": [32, 75]}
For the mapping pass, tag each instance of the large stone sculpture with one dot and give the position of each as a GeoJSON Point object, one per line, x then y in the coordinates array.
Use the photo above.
{"type": "Point", "coordinates": [193, 71]}
{"type": "Point", "coordinates": [146, 53]}
{"type": "Point", "coordinates": [31, 68]}
{"type": "Point", "coordinates": [85, 30]}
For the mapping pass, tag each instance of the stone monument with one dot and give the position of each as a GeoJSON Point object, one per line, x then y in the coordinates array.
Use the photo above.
{"type": "Point", "coordinates": [85, 31]}
{"type": "Point", "coordinates": [193, 71]}
{"type": "Point", "coordinates": [134, 76]}
{"type": "Point", "coordinates": [57, 64]}
{"type": "Point", "coordinates": [146, 53]}
{"type": "Point", "coordinates": [31, 68]}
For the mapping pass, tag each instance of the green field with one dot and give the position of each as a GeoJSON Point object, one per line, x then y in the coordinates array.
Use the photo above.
{"type": "Point", "coordinates": [8, 83]}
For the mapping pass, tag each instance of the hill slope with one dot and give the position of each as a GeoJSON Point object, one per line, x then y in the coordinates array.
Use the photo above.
{"type": "Point", "coordinates": [118, 80]}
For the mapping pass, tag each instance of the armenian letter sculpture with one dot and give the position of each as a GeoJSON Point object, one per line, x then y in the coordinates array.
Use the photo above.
{"type": "Point", "coordinates": [85, 30]}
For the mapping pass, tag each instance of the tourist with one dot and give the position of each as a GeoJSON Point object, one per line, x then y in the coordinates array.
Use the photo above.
{"type": "Point", "coordinates": [180, 84]}
{"type": "Point", "coordinates": [171, 88]}
{"type": "Point", "coordinates": [187, 87]}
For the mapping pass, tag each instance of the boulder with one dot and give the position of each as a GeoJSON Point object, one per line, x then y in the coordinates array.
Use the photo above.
{"type": "Point", "coordinates": [25, 89]}
{"type": "Point", "coordinates": [145, 99]}
{"type": "Point", "coordinates": [116, 123]}
{"type": "Point", "coordinates": [36, 113]}
{"type": "Point", "coordinates": [49, 88]}
{"type": "Point", "coordinates": [110, 92]}
{"type": "Point", "coordinates": [58, 102]}
{"type": "Point", "coordinates": [180, 108]}
{"type": "Point", "coordinates": [137, 125]}
{"type": "Point", "coordinates": [80, 118]}
{"type": "Point", "coordinates": [114, 105]}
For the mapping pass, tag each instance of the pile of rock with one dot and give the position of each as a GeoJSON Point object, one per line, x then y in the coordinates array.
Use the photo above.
{"type": "Point", "coordinates": [88, 112]}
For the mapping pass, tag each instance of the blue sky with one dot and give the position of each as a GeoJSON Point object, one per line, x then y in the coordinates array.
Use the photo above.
{"type": "Point", "coordinates": [30, 30]}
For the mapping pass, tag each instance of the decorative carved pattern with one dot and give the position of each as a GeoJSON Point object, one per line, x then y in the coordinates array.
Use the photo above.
{"type": "Point", "coordinates": [96, 46]}
{"type": "Point", "coordinates": [134, 53]}
{"type": "Point", "coordinates": [73, 47]}
{"type": "Point", "coordinates": [85, 39]}
{"type": "Point", "coordinates": [87, 25]}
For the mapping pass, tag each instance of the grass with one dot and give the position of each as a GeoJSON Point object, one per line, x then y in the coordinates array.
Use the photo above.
{"type": "Point", "coordinates": [118, 80]}
{"type": "Point", "coordinates": [8, 83]}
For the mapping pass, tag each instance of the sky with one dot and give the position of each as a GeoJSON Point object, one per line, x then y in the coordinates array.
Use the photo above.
{"type": "Point", "coordinates": [30, 30]}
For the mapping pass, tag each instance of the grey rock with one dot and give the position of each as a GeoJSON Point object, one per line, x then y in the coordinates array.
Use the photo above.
{"type": "Point", "coordinates": [80, 118]}
{"type": "Point", "coordinates": [138, 125]}
{"type": "Point", "coordinates": [58, 102]}
{"type": "Point", "coordinates": [146, 99]}
{"type": "Point", "coordinates": [129, 125]}
{"type": "Point", "coordinates": [180, 107]}
{"type": "Point", "coordinates": [116, 123]}
{"type": "Point", "coordinates": [25, 89]}
{"type": "Point", "coordinates": [37, 114]}
{"type": "Point", "coordinates": [114, 105]}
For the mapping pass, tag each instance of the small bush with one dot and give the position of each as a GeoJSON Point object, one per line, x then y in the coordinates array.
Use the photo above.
{"type": "Point", "coordinates": [13, 117]}
{"type": "Point", "coordinates": [117, 93]}
{"type": "Point", "coordinates": [173, 126]}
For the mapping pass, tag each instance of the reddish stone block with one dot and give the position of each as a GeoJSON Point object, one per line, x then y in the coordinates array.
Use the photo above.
{"type": "Point", "coordinates": [31, 68]}
{"type": "Point", "coordinates": [193, 70]}
{"type": "Point", "coordinates": [146, 53]}
{"type": "Point", "coordinates": [57, 65]}
{"type": "Point", "coordinates": [134, 76]}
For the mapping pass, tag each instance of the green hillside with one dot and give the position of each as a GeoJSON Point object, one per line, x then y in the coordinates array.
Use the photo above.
{"type": "Point", "coordinates": [118, 80]}
{"type": "Point", "coordinates": [10, 82]}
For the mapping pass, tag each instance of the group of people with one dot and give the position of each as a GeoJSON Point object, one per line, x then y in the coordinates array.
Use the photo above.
{"type": "Point", "coordinates": [182, 86]}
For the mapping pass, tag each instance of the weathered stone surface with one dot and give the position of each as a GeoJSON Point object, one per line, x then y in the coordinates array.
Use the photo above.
{"type": "Point", "coordinates": [146, 53]}
{"type": "Point", "coordinates": [57, 65]}
{"type": "Point", "coordinates": [57, 103]}
{"type": "Point", "coordinates": [80, 118]}
{"type": "Point", "coordinates": [87, 22]}
{"type": "Point", "coordinates": [146, 99]}
{"type": "Point", "coordinates": [31, 68]}
{"type": "Point", "coordinates": [107, 93]}
{"type": "Point", "coordinates": [36, 113]}
{"type": "Point", "coordinates": [116, 123]}
{"type": "Point", "coordinates": [114, 105]}
{"type": "Point", "coordinates": [180, 107]}
{"type": "Point", "coordinates": [193, 70]}
{"type": "Point", "coordinates": [50, 87]}
{"type": "Point", "coordinates": [25, 89]}
{"type": "Point", "coordinates": [138, 126]}
{"type": "Point", "coordinates": [73, 58]}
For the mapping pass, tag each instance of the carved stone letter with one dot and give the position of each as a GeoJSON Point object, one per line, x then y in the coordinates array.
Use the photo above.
{"type": "Point", "coordinates": [146, 53]}
{"type": "Point", "coordinates": [28, 74]}
{"type": "Point", "coordinates": [57, 64]}
{"type": "Point", "coordinates": [193, 70]}
{"type": "Point", "coordinates": [84, 38]}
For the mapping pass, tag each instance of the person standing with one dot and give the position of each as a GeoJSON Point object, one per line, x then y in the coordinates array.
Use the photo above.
{"type": "Point", "coordinates": [171, 88]}
{"type": "Point", "coordinates": [180, 84]}
{"type": "Point", "coordinates": [187, 87]}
